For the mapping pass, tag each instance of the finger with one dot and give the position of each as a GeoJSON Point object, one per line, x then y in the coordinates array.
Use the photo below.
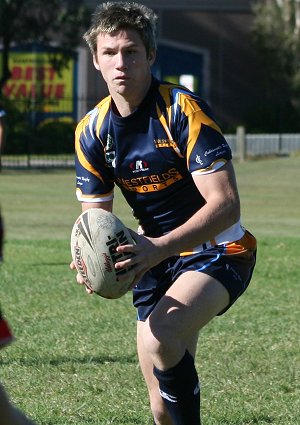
{"type": "Point", "coordinates": [88, 290]}
{"type": "Point", "coordinates": [79, 279]}
{"type": "Point", "coordinates": [126, 248]}
{"type": "Point", "coordinates": [129, 262]}
{"type": "Point", "coordinates": [81, 282]}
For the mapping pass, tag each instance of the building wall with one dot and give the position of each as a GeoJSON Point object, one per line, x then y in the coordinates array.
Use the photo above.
{"type": "Point", "coordinates": [233, 66]}
{"type": "Point", "coordinates": [222, 29]}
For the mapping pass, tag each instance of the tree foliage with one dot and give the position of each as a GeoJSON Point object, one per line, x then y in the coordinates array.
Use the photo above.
{"type": "Point", "coordinates": [25, 21]}
{"type": "Point", "coordinates": [276, 34]}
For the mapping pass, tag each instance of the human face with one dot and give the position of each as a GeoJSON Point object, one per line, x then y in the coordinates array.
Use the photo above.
{"type": "Point", "coordinates": [122, 59]}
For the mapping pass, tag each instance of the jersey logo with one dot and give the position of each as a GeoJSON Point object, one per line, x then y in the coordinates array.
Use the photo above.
{"type": "Point", "coordinates": [110, 153]}
{"type": "Point", "coordinates": [199, 160]}
{"type": "Point", "coordinates": [139, 165]}
{"type": "Point", "coordinates": [151, 183]}
{"type": "Point", "coordinates": [167, 143]}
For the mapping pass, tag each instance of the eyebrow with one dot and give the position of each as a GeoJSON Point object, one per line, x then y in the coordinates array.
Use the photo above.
{"type": "Point", "coordinates": [129, 45]}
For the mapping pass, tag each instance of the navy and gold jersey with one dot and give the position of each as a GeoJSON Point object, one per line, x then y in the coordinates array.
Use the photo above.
{"type": "Point", "coordinates": [151, 155]}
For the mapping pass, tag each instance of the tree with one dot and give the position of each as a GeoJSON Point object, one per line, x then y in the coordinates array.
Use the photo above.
{"type": "Point", "coordinates": [276, 32]}
{"type": "Point", "coordinates": [26, 21]}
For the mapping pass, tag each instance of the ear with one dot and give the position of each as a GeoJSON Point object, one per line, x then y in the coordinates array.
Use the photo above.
{"type": "Point", "coordinates": [152, 57]}
{"type": "Point", "coordinates": [95, 62]}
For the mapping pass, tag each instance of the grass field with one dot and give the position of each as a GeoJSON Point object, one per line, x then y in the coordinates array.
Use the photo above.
{"type": "Point", "coordinates": [74, 359]}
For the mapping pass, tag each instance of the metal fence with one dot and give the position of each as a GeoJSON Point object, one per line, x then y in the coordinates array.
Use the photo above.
{"type": "Point", "coordinates": [255, 145]}
{"type": "Point", "coordinates": [37, 161]}
{"type": "Point", "coordinates": [265, 144]}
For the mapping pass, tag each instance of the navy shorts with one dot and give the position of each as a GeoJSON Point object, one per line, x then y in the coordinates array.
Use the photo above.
{"type": "Point", "coordinates": [232, 265]}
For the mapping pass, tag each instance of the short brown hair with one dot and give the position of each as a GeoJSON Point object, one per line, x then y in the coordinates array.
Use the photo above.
{"type": "Point", "coordinates": [110, 17]}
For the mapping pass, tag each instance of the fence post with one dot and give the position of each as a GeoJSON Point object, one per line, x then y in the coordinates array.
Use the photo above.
{"type": "Point", "coordinates": [241, 143]}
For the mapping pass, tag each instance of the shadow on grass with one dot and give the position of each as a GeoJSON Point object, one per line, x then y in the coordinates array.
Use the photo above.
{"type": "Point", "coordinates": [58, 361]}
{"type": "Point", "coordinates": [251, 420]}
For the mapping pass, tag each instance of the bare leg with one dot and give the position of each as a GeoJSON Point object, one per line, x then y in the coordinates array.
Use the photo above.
{"type": "Point", "coordinates": [158, 408]}
{"type": "Point", "coordinates": [172, 329]}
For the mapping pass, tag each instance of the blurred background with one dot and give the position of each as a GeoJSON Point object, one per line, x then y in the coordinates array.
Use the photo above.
{"type": "Point", "coordinates": [241, 56]}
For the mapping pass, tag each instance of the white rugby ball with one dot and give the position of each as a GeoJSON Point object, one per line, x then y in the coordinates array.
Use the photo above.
{"type": "Point", "coordinates": [94, 239]}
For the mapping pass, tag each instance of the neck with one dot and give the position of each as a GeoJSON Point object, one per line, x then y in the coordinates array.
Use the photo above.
{"type": "Point", "coordinates": [126, 105]}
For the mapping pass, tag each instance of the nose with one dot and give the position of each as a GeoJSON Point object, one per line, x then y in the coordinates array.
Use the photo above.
{"type": "Point", "coordinates": [121, 61]}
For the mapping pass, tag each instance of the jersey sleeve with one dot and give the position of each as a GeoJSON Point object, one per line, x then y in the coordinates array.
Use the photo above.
{"type": "Point", "coordinates": [201, 139]}
{"type": "Point", "coordinates": [94, 181]}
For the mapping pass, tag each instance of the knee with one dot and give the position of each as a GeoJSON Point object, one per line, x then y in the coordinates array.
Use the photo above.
{"type": "Point", "coordinates": [155, 339]}
{"type": "Point", "coordinates": [160, 342]}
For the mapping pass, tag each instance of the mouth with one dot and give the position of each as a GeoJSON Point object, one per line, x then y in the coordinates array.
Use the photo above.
{"type": "Point", "coordinates": [121, 78]}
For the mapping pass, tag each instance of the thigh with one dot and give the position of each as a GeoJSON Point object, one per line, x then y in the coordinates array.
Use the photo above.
{"type": "Point", "coordinates": [188, 305]}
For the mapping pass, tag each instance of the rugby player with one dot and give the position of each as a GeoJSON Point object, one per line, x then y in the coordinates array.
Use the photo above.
{"type": "Point", "coordinates": [160, 143]}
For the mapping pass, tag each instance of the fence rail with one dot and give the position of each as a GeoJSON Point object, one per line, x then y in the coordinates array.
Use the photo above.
{"type": "Point", "coordinates": [264, 144]}
{"type": "Point", "coordinates": [37, 161]}
{"type": "Point", "coordinates": [254, 145]}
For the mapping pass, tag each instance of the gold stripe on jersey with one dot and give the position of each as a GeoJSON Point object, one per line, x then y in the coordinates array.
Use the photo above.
{"type": "Point", "coordinates": [80, 155]}
{"type": "Point", "coordinates": [163, 122]}
{"type": "Point", "coordinates": [82, 128]}
{"type": "Point", "coordinates": [84, 162]}
{"type": "Point", "coordinates": [167, 143]}
{"type": "Point", "coordinates": [192, 110]}
{"type": "Point", "coordinates": [103, 108]}
{"type": "Point", "coordinates": [196, 117]}
{"type": "Point", "coordinates": [164, 90]}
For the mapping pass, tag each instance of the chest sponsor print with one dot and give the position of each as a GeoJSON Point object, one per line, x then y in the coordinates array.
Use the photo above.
{"type": "Point", "coordinates": [151, 182]}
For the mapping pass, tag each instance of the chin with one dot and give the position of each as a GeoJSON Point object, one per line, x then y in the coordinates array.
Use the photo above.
{"type": "Point", "coordinates": [122, 90]}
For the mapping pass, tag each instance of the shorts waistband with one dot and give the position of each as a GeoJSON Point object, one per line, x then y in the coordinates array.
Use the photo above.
{"type": "Point", "coordinates": [232, 235]}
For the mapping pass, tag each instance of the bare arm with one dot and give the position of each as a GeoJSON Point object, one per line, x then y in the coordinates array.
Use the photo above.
{"type": "Point", "coordinates": [107, 206]}
{"type": "Point", "coordinates": [222, 209]}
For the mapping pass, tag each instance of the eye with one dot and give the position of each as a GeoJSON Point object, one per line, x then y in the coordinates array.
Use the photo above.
{"type": "Point", "coordinates": [109, 52]}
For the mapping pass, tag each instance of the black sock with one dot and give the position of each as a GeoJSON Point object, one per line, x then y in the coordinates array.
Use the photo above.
{"type": "Point", "coordinates": [180, 390]}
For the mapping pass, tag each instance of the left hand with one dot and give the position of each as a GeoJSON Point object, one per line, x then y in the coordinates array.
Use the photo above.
{"type": "Point", "coordinates": [79, 278]}
{"type": "Point", "coordinates": [147, 253]}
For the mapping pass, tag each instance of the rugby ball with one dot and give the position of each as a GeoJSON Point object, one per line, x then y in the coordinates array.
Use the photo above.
{"type": "Point", "coordinates": [94, 238]}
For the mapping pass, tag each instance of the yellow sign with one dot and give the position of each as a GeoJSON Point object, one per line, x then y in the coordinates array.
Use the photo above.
{"type": "Point", "coordinates": [34, 79]}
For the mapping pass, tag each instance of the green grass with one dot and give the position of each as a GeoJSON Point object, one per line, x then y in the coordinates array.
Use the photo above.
{"type": "Point", "coordinates": [74, 359]}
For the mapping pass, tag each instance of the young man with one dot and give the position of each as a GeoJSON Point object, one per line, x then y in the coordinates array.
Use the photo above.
{"type": "Point", "coordinates": [159, 143]}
